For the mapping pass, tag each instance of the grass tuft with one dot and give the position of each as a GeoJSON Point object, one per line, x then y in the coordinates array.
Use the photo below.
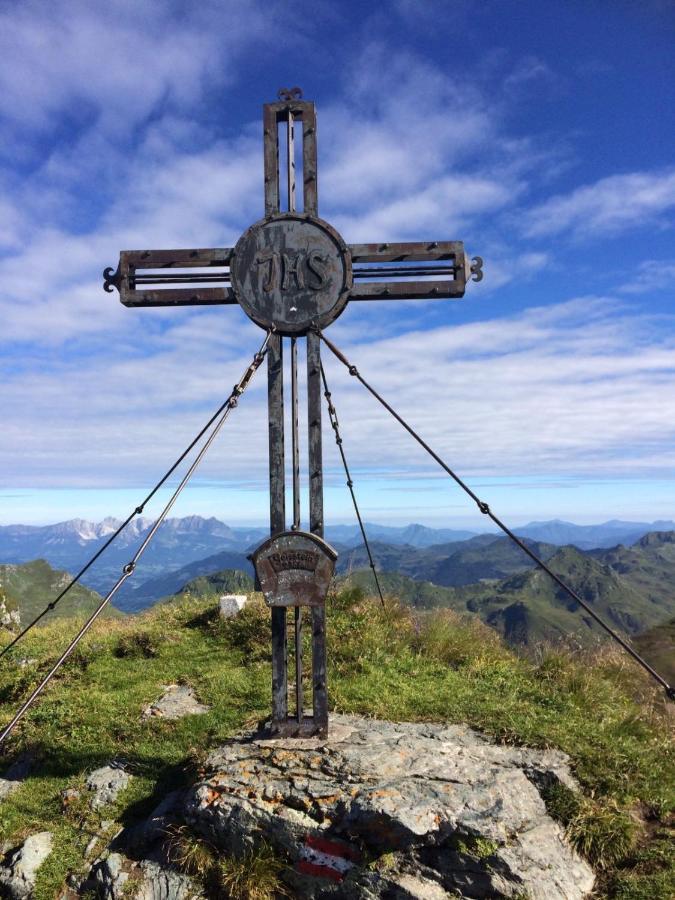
{"type": "Point", "coordinates": [602, 833]}
{"type": "Point", "coordinates": [140, 645]}
{"type": "Point", "coordinates": [193, 855]}
{"type": "Point", "coordinates": [255, 875]}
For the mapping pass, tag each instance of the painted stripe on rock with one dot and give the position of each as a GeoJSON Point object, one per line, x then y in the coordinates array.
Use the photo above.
{"type": "Point", "coordinates": [323, 858]}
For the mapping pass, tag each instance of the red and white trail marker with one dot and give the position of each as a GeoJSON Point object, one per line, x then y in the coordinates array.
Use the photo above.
{"type": "Point", "coordinates": [324, 858]}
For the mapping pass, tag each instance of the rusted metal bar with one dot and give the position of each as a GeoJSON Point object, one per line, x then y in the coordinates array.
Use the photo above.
{"type": "Point", "coordinates": [271, 156]}
{"type": "Point", "coordinates": [316, 525]}
{"type": "Point", "coordinates": [290, 161]}
{"type": "Point", "coordinates": [408, 290]}
{"type": "Point", "coordinates": [178, 297]}
{"type": "Point", "coordinates": [275, 396]}
{"type": "Point", "coordinates": [175, 259]}
{"type": "Point", "coordinates": [290, 111]}
{"type": "Point", "coordinates": [299, 700]}
{"type": "Point", "coordinates": [133, 261]}
{"type": "Point", "coordinates": [314, 424]}
{"type": "Point", "coordinates": [309, 161]}
{"type": "Point", "coordinates": [407, 251]}
{"type": "Point", "coordinates": [295, 443]}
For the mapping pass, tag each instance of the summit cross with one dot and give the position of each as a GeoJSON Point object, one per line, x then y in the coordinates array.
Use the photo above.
{"type": "Point", "coordinates": [293, 275]}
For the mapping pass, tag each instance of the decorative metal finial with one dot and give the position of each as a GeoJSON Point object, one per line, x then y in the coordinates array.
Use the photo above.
{"type": "Point", "coordinates": [294, 93]}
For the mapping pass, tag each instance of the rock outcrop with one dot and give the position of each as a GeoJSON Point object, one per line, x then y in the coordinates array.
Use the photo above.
{"type": "Point", "coordinates": [389, 810]}
{"type": "Point", "coordinates": [117, 878]}
{"type": "Point", "coordinates": [178, 700]}
{"type": "Point", "coordinates": [19, 868]}
{"type": "Point", "coordinates": [106, 784]}
{"type": "Point", "coordinates": [394, 810]}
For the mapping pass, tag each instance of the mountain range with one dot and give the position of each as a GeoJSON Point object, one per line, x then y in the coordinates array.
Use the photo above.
{"type": "Point", "coordinates": [486, 575]}
{"type": "Point", "coordinates": [190, 547]}
{"type": "Point", "coordinates": [629, 587]}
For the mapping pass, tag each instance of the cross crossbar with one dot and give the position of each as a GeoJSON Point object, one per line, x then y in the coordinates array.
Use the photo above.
{"type": "Point", "coordinates": [141, 285]}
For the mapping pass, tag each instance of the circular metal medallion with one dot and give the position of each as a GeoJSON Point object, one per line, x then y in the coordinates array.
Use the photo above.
{"type": "Point", "coordinates": [291, 272]}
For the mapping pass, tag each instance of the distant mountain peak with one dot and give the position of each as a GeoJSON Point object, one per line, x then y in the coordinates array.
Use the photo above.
{"type": "Point", "coordinates": [654, 538]}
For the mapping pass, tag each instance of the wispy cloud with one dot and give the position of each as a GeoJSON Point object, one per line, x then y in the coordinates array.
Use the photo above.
{"type": "Point", "coordinates": [611, 205]}
{"type": "Point", "coordinates": [118, 60]}
{"type": "Point", "coordinates": [574, 389]}
{"type": "Point", "coordinates": [649, 276]}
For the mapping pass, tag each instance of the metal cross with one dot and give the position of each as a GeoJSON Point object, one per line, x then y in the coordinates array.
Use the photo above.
{"type": "Point", "coordinates": [293, 274]}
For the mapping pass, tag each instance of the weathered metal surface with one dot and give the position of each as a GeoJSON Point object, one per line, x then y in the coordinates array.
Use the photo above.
{"type": "Point", "coordinates": [275, 392]}
{"type": "Point", "coordinates": [275, 404]}
{"type": "Point", "coordinates": [408, 255]}
{"type": "Point", "coordinates": [407, 280]}
{"type": "Point", "coordinates": [295, 441]}
{"type": "Point", "coordinates": [271, 159]}
{"type": "Point", "coordinates": [291, 272]}
{"type": "Point", "coordinates": [134, 278]}
{"type": "Point", "coordinates": [319, 675]}
{"type": "Point", "coordinates": [279, 664]}
{"type": "Point", "coordinates": [294, 568]}
{"type": "Point", "coordinates": [407, 251]}
{"type": "Point", "coordinates": [299, 693]}
{"type": "Point", "coordinates": [316, 526]}
{"type": "Point", "coordinates": [290, 108]}
{"type": "Point", "coordinates": [315, 449]}
{"type": "Point", "coordinates": [290, 162]}
{"type": "Point", "coordinates": [310, 186]}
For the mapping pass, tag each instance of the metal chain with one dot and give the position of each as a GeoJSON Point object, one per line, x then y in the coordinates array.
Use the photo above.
{"type": "Point", "coordinates": [485, 509]}
{"type": "Point", "coordinates": [130, 567]}
{"type": "Point", "coordinates": [136, 512]}
{"type": "Point", "coordinates": [332, 414]}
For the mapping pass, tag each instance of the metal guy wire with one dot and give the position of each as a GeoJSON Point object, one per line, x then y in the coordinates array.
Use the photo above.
{"type": "Point", "coordinates": [129, 568]}
{"type": "Point", "coordinates": [332, 413]}
{"type": "Point", "coordinates": [485, 509]}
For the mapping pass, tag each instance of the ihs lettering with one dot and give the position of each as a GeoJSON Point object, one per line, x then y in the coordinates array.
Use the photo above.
{"type": "Point", "coordinates": [292, 270]}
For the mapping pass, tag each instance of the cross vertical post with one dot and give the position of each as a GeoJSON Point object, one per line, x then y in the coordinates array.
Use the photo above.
{"type": "Point", "coordinates": [287, 113]}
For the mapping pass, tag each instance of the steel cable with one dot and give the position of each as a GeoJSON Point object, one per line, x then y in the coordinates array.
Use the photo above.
{"type": "Point", "coordinates": [485, 510]}
{"type": "Point", "coordinates": [332, 414]}
{"type": "Point", "coordinates": [129, 568]}
{"type": "Point", "coordinates": [136, 512]}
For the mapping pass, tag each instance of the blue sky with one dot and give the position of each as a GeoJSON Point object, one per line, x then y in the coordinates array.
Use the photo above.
{"type": "Point", "coordinates": [540, 134]}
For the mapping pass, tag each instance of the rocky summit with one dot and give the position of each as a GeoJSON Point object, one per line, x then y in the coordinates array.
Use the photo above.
{"type": "Point", "coordinates": [394, 810]}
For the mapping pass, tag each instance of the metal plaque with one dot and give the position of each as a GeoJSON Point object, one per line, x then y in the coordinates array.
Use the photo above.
{"type": "Point", "coordinates": [291, 272]}
{"type": "Point", "coordinates": [294, 568]}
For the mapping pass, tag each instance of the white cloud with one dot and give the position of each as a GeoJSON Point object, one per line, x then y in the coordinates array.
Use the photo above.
{"type": "Point", "coordinates": [582, 388]}
{"type": "Point", "coordinates": [650, 275]}
{"type": "Point", "coordinates": [117, 61]}
{"type": "Point", "coordinates": [611, 205]}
